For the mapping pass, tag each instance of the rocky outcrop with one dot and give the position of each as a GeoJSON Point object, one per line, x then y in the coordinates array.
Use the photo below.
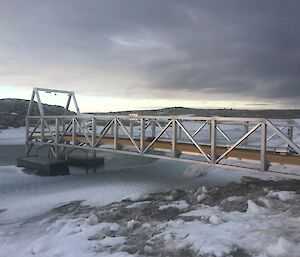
{"type": "Point", "coordinates": [13, 112]}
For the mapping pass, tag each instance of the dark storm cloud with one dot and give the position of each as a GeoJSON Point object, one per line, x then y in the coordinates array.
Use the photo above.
{"type": "Point", "coordinates": [221, 48]}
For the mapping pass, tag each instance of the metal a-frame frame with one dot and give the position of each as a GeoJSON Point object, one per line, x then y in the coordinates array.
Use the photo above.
{"type": "Point", "coordinates": [36, 94]}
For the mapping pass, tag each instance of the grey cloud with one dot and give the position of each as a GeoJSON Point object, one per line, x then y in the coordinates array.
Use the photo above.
{"type": "Point", "coordinates": [222, 48]}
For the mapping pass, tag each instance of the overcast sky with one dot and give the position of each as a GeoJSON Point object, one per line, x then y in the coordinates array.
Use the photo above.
{"type": "Point", "coordinates": [149, 54]}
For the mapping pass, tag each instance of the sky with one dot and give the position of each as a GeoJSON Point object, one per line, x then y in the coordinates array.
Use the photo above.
{"type": "Point", "coordinates": [141, 54]}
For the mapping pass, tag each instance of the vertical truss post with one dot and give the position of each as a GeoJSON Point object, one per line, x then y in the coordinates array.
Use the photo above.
{"type": "Point", "coordinates": [245, 130]}
{"type": "Point", "coordinates": [57, 135]}
{"type": "Point", "coordinates": [42, 129]}
{"type": "Point", "coordinates": [174, 138]}
{"type": "Point", "coordinates": [94, 133]}
{"type": "Point", "coordinates": [153, 129]}
{"type": "Point", "coordinates": [263, 147]}
{"type": "Point", "coordinates": [213, 140]}
{"type": "Point", "coordinates": [74, 129]}
{"type": "Point", "coordinates": [116, 133]}
{"type": "Point", "coordinates": [142, 139]}
{"type": "Point", "coordinates": [290, 134]}
{"type": "Point", "coordinates": [131, 128]}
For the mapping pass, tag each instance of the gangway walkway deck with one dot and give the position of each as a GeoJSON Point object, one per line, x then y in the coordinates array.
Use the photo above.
{"type": "Point", "coordinates": [260, 145]}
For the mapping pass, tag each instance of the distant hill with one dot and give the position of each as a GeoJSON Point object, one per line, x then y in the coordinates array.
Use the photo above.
{"type": "Point", "coordinates": [174, 111]}
{"type": "Point", "coordinates": [13, 112]}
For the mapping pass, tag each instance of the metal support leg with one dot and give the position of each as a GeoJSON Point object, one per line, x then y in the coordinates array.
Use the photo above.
{"type": "Point", "coordinates": [116, 134]}
{"type": "Point", "coordinates": [74, 131]}
{"type": "Point", "coordinates": [263, 147]}
{"type": "Point", "coordinates": [94, 133]}
{"type": "Point", "coordinates": [213, 141]}
{"type": "Point", "coordinates": [290, 135]}
{"type": "Point", "coordinates": [175, 153]}
{"type": "Point", "coordinates": [142, 139]}
{"type": "Point", "coordinates": [42, 129]}
{"type": "Point", "coordinates": [57, 135]}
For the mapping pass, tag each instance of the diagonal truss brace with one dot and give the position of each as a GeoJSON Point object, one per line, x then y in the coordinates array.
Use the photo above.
{"type": "Point", "coordinates": [223, 134]}
{"type": "Point", "coordinates": [238, 142]}
{"type": "Point", "coordinates": [283, 137]}
{"type": "Point", "coordinates": [103, 132]}
{"type": "Point", "coordinates": [199, 129]}
{"type": "Point", "coordinates": [83, 132]}
{"type": "Point", "coordinates": [128, 135]}
{"type": "Point", "coordinates": [193, 141]}
{"type": "Point", "coordinates": [158, 136]}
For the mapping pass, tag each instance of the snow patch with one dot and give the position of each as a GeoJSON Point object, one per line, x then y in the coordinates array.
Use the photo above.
{"type": "Point", "coordinates": [92, 219]}
{"type": "Point", "coordinates": [182, 204]}
{"type": "Point", "coordinates": [282, 195]}
{"type": "Point", "coordinates": [254, 209]}
{"type": "Point", "coordinates": [137, 204]}
{"type": "Point", "coordinates": [214, 219]}
{"type": "Point", "coordinates": [281, 248]}
{"type": "Point", "coordinates": [204, 211]}
{"type": "Point", "coordinates": [234, 198]}
{"type": "Point", "coordinates": [222, 233]}
{"type": "Point", "coordinates": [131, 224]}
{"type": "Point", "coordinates": [135, 197]}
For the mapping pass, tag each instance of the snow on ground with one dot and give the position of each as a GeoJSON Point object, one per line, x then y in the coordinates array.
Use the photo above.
{"type": "Point", "coordinates": [282, 195]}
{"type": "Point", "coordinates": [182, 204]}
{"type": "Point", "coordinates": [12, 136]}
{"type": "Point", "coordinates": [260, 233]}
{"type": "Point", "coordinates": [254, 223]}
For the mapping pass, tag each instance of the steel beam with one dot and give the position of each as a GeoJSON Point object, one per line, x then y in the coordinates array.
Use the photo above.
{"type": "Point", "coordinates": [142, 137]}
{"type": "Point", "coordinates": [174, 139]}
{"type": "Point", "coordinates": [263, 147]}
{"type": "Point", "coordinates": [213, 140]}
{"type": "Point", "coordinates": [116, 133]}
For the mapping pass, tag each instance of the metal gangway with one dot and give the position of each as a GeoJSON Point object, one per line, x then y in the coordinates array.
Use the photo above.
{"type": "Point", "coordinates": [255, 145]}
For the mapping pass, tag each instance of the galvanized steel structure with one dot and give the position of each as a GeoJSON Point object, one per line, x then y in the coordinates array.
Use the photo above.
{"type": "Point", "coordinates": [202, 140]}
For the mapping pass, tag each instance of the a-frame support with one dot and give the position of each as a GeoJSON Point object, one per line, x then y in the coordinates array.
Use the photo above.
{"type": "Point", "coordinates": [36, 95]}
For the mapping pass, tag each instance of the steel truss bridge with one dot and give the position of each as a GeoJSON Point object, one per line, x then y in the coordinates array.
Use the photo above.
{"type": "Point", "coordinates": [241, 144]}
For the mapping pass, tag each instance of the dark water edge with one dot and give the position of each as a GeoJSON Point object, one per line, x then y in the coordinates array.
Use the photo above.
{"type": "Point", "coordinates": [10, 153]}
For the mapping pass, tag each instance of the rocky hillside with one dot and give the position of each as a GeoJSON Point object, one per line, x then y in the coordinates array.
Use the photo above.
{"type": "Point", "coordinates": [13, 112]}
{"type": "Point", "coordinates": [280, 114]}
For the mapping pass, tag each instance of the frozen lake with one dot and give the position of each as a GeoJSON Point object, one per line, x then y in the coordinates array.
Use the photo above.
{"type": "Point", "coordinates": [24, 195]}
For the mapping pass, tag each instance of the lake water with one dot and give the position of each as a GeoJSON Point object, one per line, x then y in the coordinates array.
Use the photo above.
{"type": "Point", "coordinates": [23, 195]}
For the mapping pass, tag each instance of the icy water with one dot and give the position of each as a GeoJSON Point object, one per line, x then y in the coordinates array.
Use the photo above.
{"type": "Point", "coordinates": [23, 195]}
